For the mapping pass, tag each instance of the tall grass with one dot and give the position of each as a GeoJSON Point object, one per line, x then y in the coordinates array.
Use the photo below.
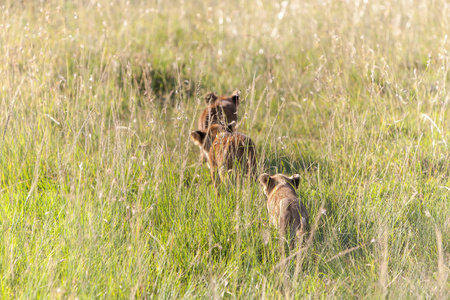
{"type": "Point", "coordinates": [102, 192]}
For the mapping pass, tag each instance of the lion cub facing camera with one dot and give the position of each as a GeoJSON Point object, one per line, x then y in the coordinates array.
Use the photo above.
{"type": "Point", "coordinates": [284, 208]}
{"type": "Point", "coordinates": [223, 148]}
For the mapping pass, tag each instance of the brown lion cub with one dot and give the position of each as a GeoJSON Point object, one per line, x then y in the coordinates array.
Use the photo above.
{"type": "Point", "coordinates": [285, 210]}
{"type": "Point", "coordinates": [223, 148]}
{"type": "Point", "coordinates": [221, 109]}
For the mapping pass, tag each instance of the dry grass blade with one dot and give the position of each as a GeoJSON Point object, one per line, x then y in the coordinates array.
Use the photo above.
{"type": "Point", "coordinates": [76, 138]}
{"type": "Point", "coordinates": [36, 169]}
{"type": "Point", "coordinates": [442, 269]}
{"type": "Point", "coordinates": [350, 250]}
{"type": "Point", "coordinates": [10, 112]}
{"type": "Point", "coordinates": [383, 280]}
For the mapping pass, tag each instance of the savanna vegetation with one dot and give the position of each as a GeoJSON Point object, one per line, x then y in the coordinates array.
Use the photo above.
{"type": "Point", "coordinates": [102, 193]}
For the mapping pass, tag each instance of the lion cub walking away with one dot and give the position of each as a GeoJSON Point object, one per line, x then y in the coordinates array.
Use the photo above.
{"type": "Point", "coordinates": [223, 148]}
{"type": "Point", "coordinates": [220, 110]}
{"type": "Point", "coordinates": [284, 208]}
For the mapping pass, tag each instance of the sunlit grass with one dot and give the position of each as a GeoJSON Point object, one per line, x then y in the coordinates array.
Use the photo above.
{"type": "Point", "coordinates": [102, 192]}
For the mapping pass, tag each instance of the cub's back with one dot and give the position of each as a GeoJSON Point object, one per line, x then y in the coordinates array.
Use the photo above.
{"type": "Point", "coordinates": [230, 147]}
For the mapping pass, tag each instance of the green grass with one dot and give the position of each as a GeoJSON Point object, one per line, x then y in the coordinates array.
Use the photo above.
{"type": "Point", "coordinates": [102, 193]}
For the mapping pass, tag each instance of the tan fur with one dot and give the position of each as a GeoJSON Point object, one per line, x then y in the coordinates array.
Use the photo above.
{"type": "Point", "coordinates": [224, 148]}
{"type": "Point", "coordinates": [284, 208]}
{"type": "Point", "coordinates": [220, 110]}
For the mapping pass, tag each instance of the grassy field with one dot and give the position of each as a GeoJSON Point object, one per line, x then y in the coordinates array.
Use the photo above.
{"type": "Point", "coordinates": [102, 192]}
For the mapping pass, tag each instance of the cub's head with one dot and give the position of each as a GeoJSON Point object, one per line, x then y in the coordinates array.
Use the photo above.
{"type": "Point", "coordinates": [204, 138]}
{"type": "Point", "coordinates": [210, 98]}
{"type": "Point", "coordinates": [271, 182]}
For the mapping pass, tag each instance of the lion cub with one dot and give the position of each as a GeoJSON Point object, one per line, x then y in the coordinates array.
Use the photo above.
{"type": "Point", "coordinates": [284, 208]}
{"type": "Point", "coordinates": [221, 109]}
{"type": "Point", "coordinates": [223, 148]}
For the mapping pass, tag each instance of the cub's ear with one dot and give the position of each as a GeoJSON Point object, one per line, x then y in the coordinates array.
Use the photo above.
{"type": "Point", "coordinates": [210, 98]}
{"type": "Point", "coordinates": [235, 96]}
{"type": "Point", "coordinates": [295, 180]}
{"type": "Point", "coordinates": [264, 179]}
{"type": "Point", "coordinates": [198, 137]}
{"type": "Point", "coordinates": [231, 126]}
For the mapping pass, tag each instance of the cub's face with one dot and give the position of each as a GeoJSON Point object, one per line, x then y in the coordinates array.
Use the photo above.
{"type": "Point", "coordinates": [204, 138]}
{"type": "Point", "coordinates": [271, 182]}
